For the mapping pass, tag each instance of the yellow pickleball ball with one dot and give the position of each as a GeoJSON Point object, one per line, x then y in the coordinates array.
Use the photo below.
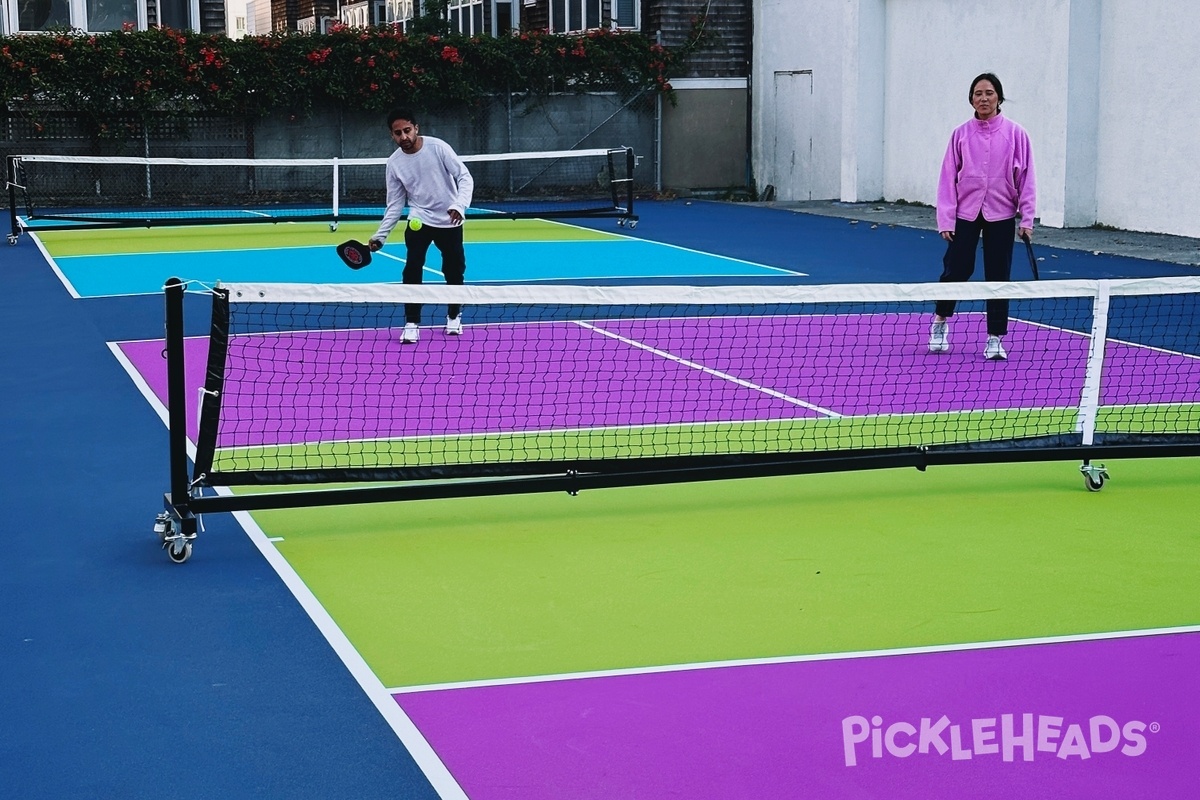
{"type": "Point", "coordinates": [414, 223]}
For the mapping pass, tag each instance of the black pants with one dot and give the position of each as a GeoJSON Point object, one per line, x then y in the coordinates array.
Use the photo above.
{"type": "Point", "coordinates": [449, 242]}
{"type": "Point", "coordinates": [959, 264]}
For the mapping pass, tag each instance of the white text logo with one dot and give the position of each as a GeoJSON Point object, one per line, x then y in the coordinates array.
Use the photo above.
{"type": "Point", "coordinates": [1011, 737]}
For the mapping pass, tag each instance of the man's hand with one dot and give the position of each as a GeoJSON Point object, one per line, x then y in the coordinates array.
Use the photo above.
{"type": "Point", "coordinates": [375, 244]}
{"type": "Point", "coordinates": [456, 216]}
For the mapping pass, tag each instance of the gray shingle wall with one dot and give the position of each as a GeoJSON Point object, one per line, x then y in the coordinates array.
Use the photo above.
{"type": "Point", "coordinates": [726, 54]}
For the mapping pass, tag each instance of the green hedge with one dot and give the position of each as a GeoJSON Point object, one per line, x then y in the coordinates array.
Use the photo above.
{"type": "Point", "coordinates": [133, 75]}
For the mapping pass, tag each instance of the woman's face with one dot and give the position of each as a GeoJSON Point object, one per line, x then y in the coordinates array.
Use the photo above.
{"type": "Point", "coordinates": [985, 100]}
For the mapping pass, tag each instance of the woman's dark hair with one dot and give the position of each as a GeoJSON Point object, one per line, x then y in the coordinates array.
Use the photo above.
{"type": "Point", "coordinates": [992, 79]}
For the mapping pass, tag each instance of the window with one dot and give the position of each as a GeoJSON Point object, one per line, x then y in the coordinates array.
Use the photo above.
{"type": "Point", "coordinates": [466, 16]}
{"type": "Point", "coordinates": [40, 15]}
{"type": "Point", "coordinates": [110, 15]}
{"type": "Point", "coordinates": [571, 16]}
{"type": "Point", "coordinates": [505, 17]}
{"type": "Point", "coordinates": [394, 12]}
{"type": "Point", "coordinates": [624, 13]}
{"type": "Point", "coordinates": [174, 14]}
{"type": "Point", "coordinates": [86, 15]}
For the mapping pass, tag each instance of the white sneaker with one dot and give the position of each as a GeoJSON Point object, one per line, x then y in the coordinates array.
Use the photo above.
{"type": "Point", "coordinates": [412, 332]}
{"type": "Point", "coordinates": [454, 326]}
{"type": "Point", "coordinates": [994, 350]}
{"type": "Point", "coordinates": [939, 337]}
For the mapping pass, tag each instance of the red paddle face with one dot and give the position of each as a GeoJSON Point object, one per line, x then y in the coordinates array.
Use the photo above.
{"type": "Point", "coordinates": [354, 254]}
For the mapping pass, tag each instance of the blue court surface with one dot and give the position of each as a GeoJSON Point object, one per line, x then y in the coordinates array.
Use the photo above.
{"type": "Point", "coordinates": [129, 677]}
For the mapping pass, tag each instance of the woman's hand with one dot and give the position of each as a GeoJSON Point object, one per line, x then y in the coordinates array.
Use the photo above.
{"type": "Point", "coordinates": [948, 235]}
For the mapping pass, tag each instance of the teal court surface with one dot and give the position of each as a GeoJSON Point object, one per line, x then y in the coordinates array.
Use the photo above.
{"type": "Point", "coordinates": [132, 261]}
{"type": "Point", "coordinates": [973, 631]}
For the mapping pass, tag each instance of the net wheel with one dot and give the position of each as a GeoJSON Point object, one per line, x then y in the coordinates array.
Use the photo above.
{"type": "Point", "coordinates": [1093, 484]}
{"type": "Point", "coordinates": [179, 551]}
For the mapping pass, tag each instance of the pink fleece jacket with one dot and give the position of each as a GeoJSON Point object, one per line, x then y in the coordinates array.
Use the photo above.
{"type": "Point", "coordinates": [988, 169]}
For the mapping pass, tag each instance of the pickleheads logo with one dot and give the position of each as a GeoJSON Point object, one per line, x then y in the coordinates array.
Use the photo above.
{"type": "Point", "coordinates": [1010, 737]}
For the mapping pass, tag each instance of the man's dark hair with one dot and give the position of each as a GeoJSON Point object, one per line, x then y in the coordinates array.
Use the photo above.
{"type": "Point", "coordinates": [987, 76]}
{"type": "Point", "coordinates": [401, 113]}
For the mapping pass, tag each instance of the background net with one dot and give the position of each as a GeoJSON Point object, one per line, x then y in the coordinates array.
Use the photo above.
{"type": "Point", "coordinates": [310, 382]}
{"type": "Point", "coordinates": [113, 190]}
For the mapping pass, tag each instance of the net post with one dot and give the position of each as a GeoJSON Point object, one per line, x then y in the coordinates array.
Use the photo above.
{"type": "Point", "coordinates": [176, 399]}
{"type": "Point", "coordinates": [214, 384]}
{"type": "Point", "coordinates": [630, 165]}
{"type": "Point", "coordinates": [10, 174]}
{"type": "Point", "coordinates": [1089, 401]}
{"type": "Point", "coordinates": [336, 188]}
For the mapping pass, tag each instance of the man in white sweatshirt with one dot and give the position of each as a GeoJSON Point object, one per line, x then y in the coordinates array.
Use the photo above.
{"type": "Point", "coordinates": [426, 176]}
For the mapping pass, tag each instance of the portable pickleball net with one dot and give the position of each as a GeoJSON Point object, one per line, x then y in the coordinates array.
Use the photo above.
{"type": "Point", "coordinates": [69, 191]}
{"type": "Point", "coordinates": [308, 389]}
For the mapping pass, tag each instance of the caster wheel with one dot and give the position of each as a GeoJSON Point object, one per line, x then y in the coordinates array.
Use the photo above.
{"type": "Point", "coordinates": [332, 227]}
{"type": "Point", "coordinates": [621, 222]}
{"type": "Point", "coordinates": [179, 551]}
{"type": "Point", "coordinates": [163, 526]}
{"type": "Point", "coordinates": [12, 239]}
{"type": "Point", "coordinates": [632, 224]}
{"type": "Point", "coordinates": [1094, 476]}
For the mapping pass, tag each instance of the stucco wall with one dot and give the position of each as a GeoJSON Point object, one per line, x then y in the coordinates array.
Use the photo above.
{"type": "Point", "coordinates": [1102, 86]}
{"type": "Point", "coordinates": [1150, 175]}
{"type": "Point", "coordinates": [786, 38]}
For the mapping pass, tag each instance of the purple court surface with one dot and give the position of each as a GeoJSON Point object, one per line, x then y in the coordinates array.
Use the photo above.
{"type": "Point", "coordinates": [1097, 719]}
{"type": "Point", "coordinates": [628, 373]}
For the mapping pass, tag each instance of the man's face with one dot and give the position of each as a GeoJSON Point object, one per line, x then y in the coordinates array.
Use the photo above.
{"type": "Point", "coordinates": [405, 134]}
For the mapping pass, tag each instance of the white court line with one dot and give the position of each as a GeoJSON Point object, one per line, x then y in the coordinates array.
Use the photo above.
{"type": "Point", "coordinates": [410, 736]}
{"type": "Point", "coordinates": [406, 731]}
{"type": "Point", "coordinates": [62, 276]}
{"type": "Point", "coordinates": [725, 376]}
{"type": "Point", "coordinates": [626, 236]}
{"type": "Point", "coordinates": [757, 662]}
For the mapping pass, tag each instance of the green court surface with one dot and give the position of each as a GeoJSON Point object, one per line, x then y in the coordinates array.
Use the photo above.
{"type": "Point", "coordinates": [287, 234]}
{"type": "Point", "coordinates": [805, 435]}
{"type": "Point", "coordinates": [785, 436]}
{"type": "Point", "coordinates": [500, 587]}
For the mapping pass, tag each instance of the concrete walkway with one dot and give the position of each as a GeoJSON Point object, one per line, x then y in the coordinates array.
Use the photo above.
{"type": "Point", "coordinates": [1132, 244]}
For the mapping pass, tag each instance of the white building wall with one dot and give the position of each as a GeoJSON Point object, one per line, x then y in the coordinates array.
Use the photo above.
{"type": "Point", "coordinates": [1102, 86]}
{"type": "Point", "coordinates": [1149, 176]}
{"type": "Point", "coordinates": [786, 39]}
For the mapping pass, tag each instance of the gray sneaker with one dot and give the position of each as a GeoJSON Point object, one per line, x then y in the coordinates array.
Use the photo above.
{"type": "Point", "coordinates": [994, 350]}
{"type": "Point", "coordinates": [939, 336]}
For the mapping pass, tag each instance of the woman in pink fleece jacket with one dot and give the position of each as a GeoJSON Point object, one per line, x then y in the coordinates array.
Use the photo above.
{"type": "Point", "coordinates": [986, 182]}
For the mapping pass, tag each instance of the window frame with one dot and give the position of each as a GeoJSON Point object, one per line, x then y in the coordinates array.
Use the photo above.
{"type": "Point", "coordinates": [582, 16]}
{"type": "Point", "coordinates": [470, 11]}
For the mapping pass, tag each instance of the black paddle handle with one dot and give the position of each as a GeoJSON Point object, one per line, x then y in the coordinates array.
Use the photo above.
{"type": "Point", "coordinates": [1032, 259]}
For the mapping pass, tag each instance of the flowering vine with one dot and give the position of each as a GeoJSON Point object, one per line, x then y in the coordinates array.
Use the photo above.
{"type": "Point", "coordinates": [130, 75]}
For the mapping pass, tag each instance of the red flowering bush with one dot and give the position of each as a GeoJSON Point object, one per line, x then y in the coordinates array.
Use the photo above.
{"type": "Point", "coordinates": [133, 75]}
